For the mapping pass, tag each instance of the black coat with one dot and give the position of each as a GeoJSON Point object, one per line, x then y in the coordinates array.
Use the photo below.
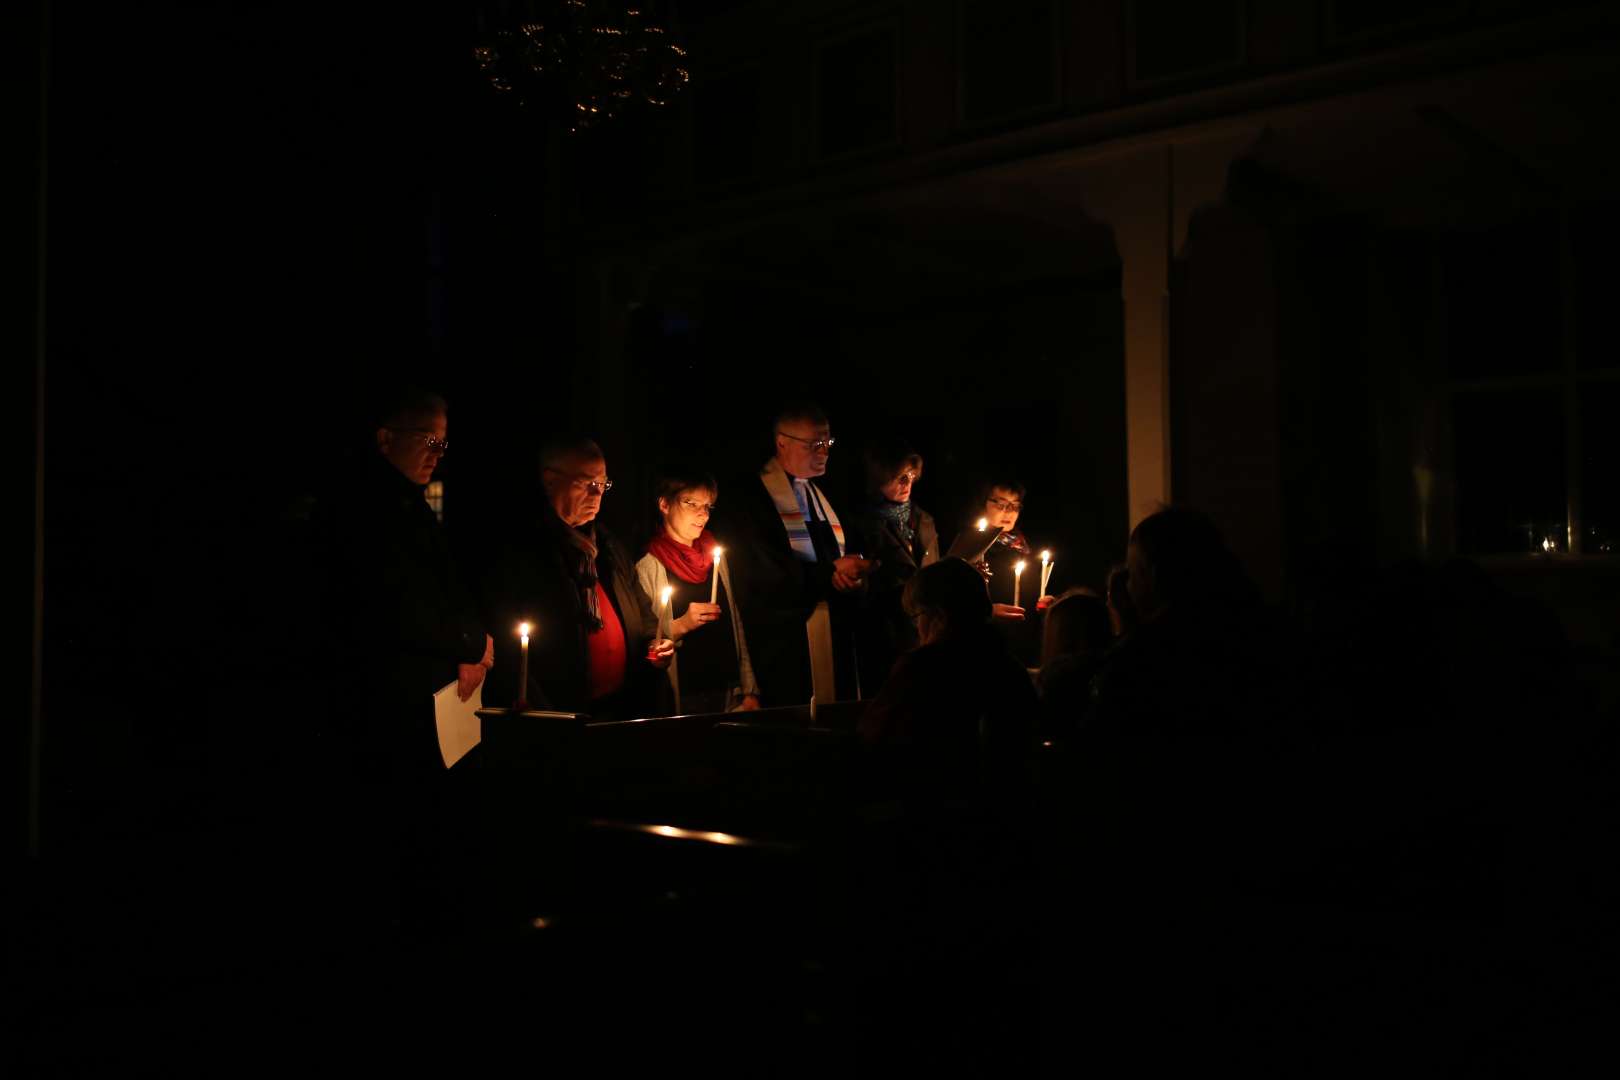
{"type": "Point", "coordinates": [528, 581]}
{"type": "Point", "coordinates": [954, 712]}
{"type": "Point", "coordinates": [1023, 638]}
{"type": "Point", "coordinates": [776, 592]}
{"type": "Point", "coordinates": [886, 631]}
{"type": "Point", "coordinates": [396, 619]}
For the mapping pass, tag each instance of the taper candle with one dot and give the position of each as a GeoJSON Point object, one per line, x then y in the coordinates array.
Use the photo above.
{"type": "Point", "coordinates": [523, 664]}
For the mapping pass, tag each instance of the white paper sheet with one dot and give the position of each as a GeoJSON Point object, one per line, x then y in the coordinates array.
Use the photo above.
{"type": "Point", "coordinates": [457, 721]}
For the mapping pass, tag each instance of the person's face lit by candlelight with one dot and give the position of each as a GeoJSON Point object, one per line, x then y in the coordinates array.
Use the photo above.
{"type": "Point", "coordinates": [687, 513]}
{"type": "Point", "coordinates": [803, 447]}
{"type": "Point", "coordinates": [414, 445]}
{"type": "Point", "coordinates": [898, 490]}
{"type": "Point", "coordinates": [1002, 507]}
{"type": "Point", "coordinates": [575, 485]}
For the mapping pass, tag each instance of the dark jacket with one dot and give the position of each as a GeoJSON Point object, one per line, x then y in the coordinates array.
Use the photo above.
{"type": "Point", "coordinates": [396, 619]}
{"type": "Point", "coordinates": [886, 631]}
{"type": "Point", "coordinates": [955, 711]}
{"type": "Point", "coordinates": [528, 581]}
{"type": "Point", "coordinates": [776, 592]}
{"type": "Point", "coordinates": [1023, 638]}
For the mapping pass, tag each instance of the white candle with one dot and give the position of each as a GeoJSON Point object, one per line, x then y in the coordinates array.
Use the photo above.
{"type": "Point", "coordinates": [1018, 574]}
{"type": "Point", "coordinates": [1046, 570]}
{"type": "Point", "coordinates": [714, 583]}
{"type": "Point", "coordinates": [663, 603]}
{"type": "Point", "coordinates": [523, 664]}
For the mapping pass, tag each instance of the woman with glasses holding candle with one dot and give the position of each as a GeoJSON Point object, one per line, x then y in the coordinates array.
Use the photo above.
{"type": "Point", "coordinates": [710, 671]}
{"type": "Point", "coordinates": [901, 536]}
{"type": "Point", "coordinates": [996, 551]}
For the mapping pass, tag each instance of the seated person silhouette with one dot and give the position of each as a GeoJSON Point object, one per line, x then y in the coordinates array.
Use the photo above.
{"type": "Point", "coordinates": [959, 710]}
{"type": "Point", "coordinates": [1076, 635]}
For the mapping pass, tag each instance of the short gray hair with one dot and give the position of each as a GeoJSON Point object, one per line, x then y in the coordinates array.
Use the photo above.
{"type": "Point", "coordinates": [558, 449]}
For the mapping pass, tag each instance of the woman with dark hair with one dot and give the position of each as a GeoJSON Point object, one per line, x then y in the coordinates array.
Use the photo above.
{"type": "Point", "coordinates": [901, 536]}
{"type": "Point", "coordinates": [996, 551]}
{"type": "Point", "coordinates": [710, 672]}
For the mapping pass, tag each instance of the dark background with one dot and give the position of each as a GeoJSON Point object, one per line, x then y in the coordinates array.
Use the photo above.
{"type": "Point", "coordinates": [254, 224]}
{"type": "Point", "coordinates": [251, 223]}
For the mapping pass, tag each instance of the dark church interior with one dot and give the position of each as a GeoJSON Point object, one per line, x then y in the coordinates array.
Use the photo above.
{"type": "Point", "coordinates": [1281, 329]}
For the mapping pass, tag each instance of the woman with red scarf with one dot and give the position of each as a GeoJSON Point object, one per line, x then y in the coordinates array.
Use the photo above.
{"type": "Point", "coordinates": [710, 672]}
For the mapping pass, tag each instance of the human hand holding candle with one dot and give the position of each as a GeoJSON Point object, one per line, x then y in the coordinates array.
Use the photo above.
{"type": "Point", "coordinates": [1006, 613]}
{"type": "Point", "coordinates": [697, 615]}
{"type": "Point", "coordinates": [660, 651]}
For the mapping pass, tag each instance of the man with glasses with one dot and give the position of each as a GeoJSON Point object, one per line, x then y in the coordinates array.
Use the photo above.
{"type": "Point", "coordinates": [594, 646]}
{"type": "Point", "coordinates": [397, 626]}
{"type": "Point", "coordinates": [397, 613]}
{"type": "Point", "coordinates": [798, 585]}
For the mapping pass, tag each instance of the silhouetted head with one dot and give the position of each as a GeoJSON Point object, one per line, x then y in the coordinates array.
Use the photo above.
{"type": "Point", "coordinates": [1077, 625]}
{"type": "Point", "coordinates": [1121, 609]}
{"type": "Point", "coordinates": [1177, 558]}
{"type": "Point", "coordinates": [946, 597]}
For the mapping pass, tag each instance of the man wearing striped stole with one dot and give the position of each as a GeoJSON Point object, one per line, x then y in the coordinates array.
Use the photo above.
{"type": "Point", "coordinates": [797, 585]}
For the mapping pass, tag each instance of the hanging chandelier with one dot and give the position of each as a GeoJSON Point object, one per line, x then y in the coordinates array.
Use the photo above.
{"type": "Point", "coordinates": [593, 59]}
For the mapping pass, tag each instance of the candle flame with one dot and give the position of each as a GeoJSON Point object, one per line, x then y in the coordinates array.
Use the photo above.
{"type": "Point", "coordinates": [669, 591]}
{"type": "Point", "coordinates": [984, 523]}
{"type": "Point", "coordinates": [523, 629]}
{"type": "Point", "coordinates": [1018, 567]}
{"type": "Point", "coordinates": [718, 551]}
{"type": "Point", "coordinates": [1046, 556]}
{"type": "Point", "coordinates": [1547, 544]}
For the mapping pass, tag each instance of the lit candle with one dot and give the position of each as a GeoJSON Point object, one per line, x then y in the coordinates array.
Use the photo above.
{"type": "Point", "coordinates": [523, 664]}
{"type": "Point", "coordinates": [714, 583]}
{"type": "Point", "coordinates": [1046, 570]}
{"type": "Point", "coordinates": [1018, 575]}
{"type": "Point", "coordinates": [983, 524]}
{"type": "Point", "coordinates": [669, 591]}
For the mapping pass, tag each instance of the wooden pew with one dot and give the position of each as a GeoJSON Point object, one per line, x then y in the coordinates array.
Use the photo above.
{"type": "Point", "coordinates": [661, 767]}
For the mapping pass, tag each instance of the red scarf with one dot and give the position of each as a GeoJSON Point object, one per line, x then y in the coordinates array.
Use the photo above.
{"type": "Point", "coordinates": [687, 563]}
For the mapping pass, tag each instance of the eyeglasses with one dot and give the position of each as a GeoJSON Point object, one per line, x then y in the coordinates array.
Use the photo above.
{"type": "Point", "coordinates": [906, 478]}
{"type": "Point", "coordinates": [1011, 506]}
{"type": "Point", "coordinates": [594, 487]}
{"type": "Point", "coordinates": [697, 507]}
{"type": "Point", "coordinates": [434, 444]}
{"type": "Point", "coordinates": [816, 446]}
